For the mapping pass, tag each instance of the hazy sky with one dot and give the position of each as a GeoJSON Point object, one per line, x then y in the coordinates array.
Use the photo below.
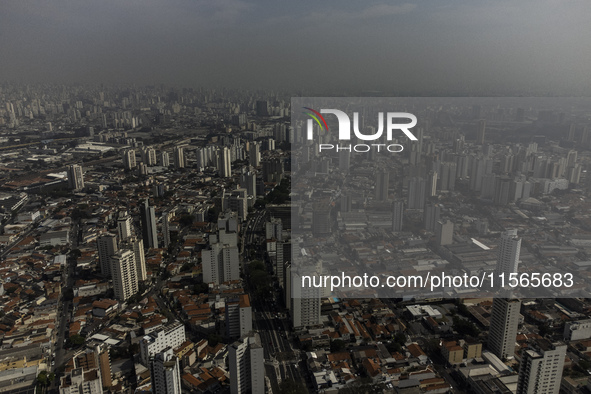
{"type": "Point", "coordinates": [458, 45]}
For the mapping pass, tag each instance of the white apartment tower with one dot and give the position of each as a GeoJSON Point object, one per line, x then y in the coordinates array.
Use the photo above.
{"type": "Point", "coordinates": [541, 368]}
{"type": "Point", "coordinates": [305, 301]}
{"type": "Point", "coordinates": [149, 156]}
{"type": "Point", "coordinates": [165, 372]}
{"type": "Point", "coordinates": [164, 159]}
{"type": "Point", "coordinates": [220, 264]}
{"type": "Point", "coordinates": [238, 317]}
{"type": "Point", "coordinates": [179, 157]}
{"type": "Point", "coordinates": [124, 274]}
{"type": "Point", "coordinates": [124, 228]}
{"type": "Point", "coordinates": [170, 336]}
{"type": "Point", "coordinates": [247, 369]}
{"type": "Point", "coordinates": [503, 327]}
{"type": "Point", "coordinates": [129, 159]}
{"type": "Point", "coordinates": [107, 247]}
{"type": "Point", "coordinates": [224, 163]}
{"type": "Point", "coordinates": [136, 245]}
{"type": "Point", "coordinates": [508, 253]}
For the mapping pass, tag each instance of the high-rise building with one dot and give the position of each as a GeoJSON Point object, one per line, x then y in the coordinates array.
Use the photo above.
{"type": "Point", "coordinates": [107, 247]}
{"type": "Point", "coordinates": [254, 154]}
{"type": "Point", "coordinates": [129, 159]}
{"type": "Point", "coordinates": [236, 201]}
{"type": "Point", "coordinates": [166, 217]}
{"type": "Point", "coordinates": [248, 181]}
{"type": "Point", "coordinates": [448, 176]}
{"type": "Point", "coordinates": [274, 229]}
{"type": "Point", "coordinates": [540, 371]}
{"type": "Point", "coordinates": [431, 185]}
{"type": "Point", "coordinates": [431, 216]}
{"type": "Point", "coordinates": [397, 215]}
{"type": "Point", "coordinates": [224, 163]}
{"type": "Point", "coordinates": [305, 301]}
{"type": "Point", "coordinates": [344, 160]}
{"type": "Point", "coordinates": [503, 327]}
{"type": "Point", "coordinates": [508, 253]}
{"type": "Point", "coordinates": [444, 232]}
{"type": "Point", "coordinates": [238, 317]}
{"type": "Point", "coordinates": [148, 219]}
{"type": "Point", "coordinates": [247, 369]}
{"type": "Point", "coordinates": [220, 264]}
{"type": "Point", "coordinates": [382, 185]}
{"type": "Point", "coordinates": [170, 336]}
{"type": "Point", "coordinates": [480, 130]}
{"type": "Point", "coordinates": [124, 227]}
{"type": "Point", "coordinates": [273, 169]}
{"type": "Point", "coordinates": [165, 373]}
{"type": "Point", "coordinates": [75, 177]}
{"type": "Point", "coordinates": [321, 219]}
{"type": "Point", "coordinates": [164, 159]}
{"type": "Point", "coordinates": [179, 157]}
{"type": "Point", "coordinates": [124, 274]}
{"type": "Point", "coordinates": [149, 156]}
{"type": "Point", "coordinates": [80, 381]}
{"type": "Point", "coordinates": [416, 193]}
{"type": "Point", "coordinates": [136, 245]}
{"type": "Point", "coordinates": [283, 256]}
{"type": "Point", "coordinates": [262, 108]}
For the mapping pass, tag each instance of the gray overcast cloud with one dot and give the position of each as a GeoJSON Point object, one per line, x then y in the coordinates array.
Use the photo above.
{"type": "Point", "coordinates": [429, 45]}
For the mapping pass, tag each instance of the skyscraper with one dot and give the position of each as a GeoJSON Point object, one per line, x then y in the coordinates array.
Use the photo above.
{"type": "Point", "coordinates": [136, 245]}
{"type": "Point", "coordinates": [129, 159]}
{"type": "Point", "coordinates": [75, 177]}
{"type": "Point", "coordinates": [179, 157]}
{"type": "Point", "coordinates": [262, 108]}
{"type": "Point", "coordinates": [254, 154]}
{"type": "Point", "coordinates": [397, 215]}
{"type": "Point", "coordinates": [124, 274]}
{"type": "Point", "coordinates": [157, 341]}
{"type": "Point", "coordinates": [503, 327]}
{"type": "Point", "coordinates": [508, 253]}
{"type": "Point", "coordinates": [166, 216]}
{"type": "Point", "coordinates": [344, 160]}
{"type": "Point", "coordinates": [541, 368]}
{"type": "Point", "coordinates": [431, 216]}
{"type": "Point", "coordinates": [416, 193]}
{"type": "Point", "coordinates": [164, 159]}
{"type": "Point", "coordinates": [224, 163]}
{"type": "Point", "coordinates": [305, 301]}
{"type": "Point", "coordinates": [107, 247]}
{"type": "Point", "coordinates": [444, 232]}
{"type": "Point", "coordinates": [124, 225]}
{"type": "Point", "coordinates": [238, 317]}
{"type": "Point", "coordinates": [148, 219]}
{"type": "Point", "coordinates": [149, 156]}
{"type": "Point", "coordinates": [481, 128]}
{"type": "Point", "coordinates": [247, 369]}
{"type": "Point", "coordinates": [165, 372]}
{"type": "Point", "coordinates": [382, 185]}
{"type": "Point", "coordinates": [220, 264]}
{"type": "Point", "coordinates": [431, 185]}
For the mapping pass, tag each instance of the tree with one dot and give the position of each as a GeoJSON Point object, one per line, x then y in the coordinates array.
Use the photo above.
{"type": "Point", "coordinates": [77, 339]}
{"type": "Point", "coordinates": [186, 220]}
{"type": "Point", "coordinates": [213, 339]}
{"type": "Point", "coordinates": [465, 327]}
{"type": "Point", "coordinates": [337, 345]}
{"type": "Point", "coordinates": [290, 386]}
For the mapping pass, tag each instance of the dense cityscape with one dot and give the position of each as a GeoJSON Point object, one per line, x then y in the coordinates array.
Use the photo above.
{"type": "Point", "coordinates": [147, 246]}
